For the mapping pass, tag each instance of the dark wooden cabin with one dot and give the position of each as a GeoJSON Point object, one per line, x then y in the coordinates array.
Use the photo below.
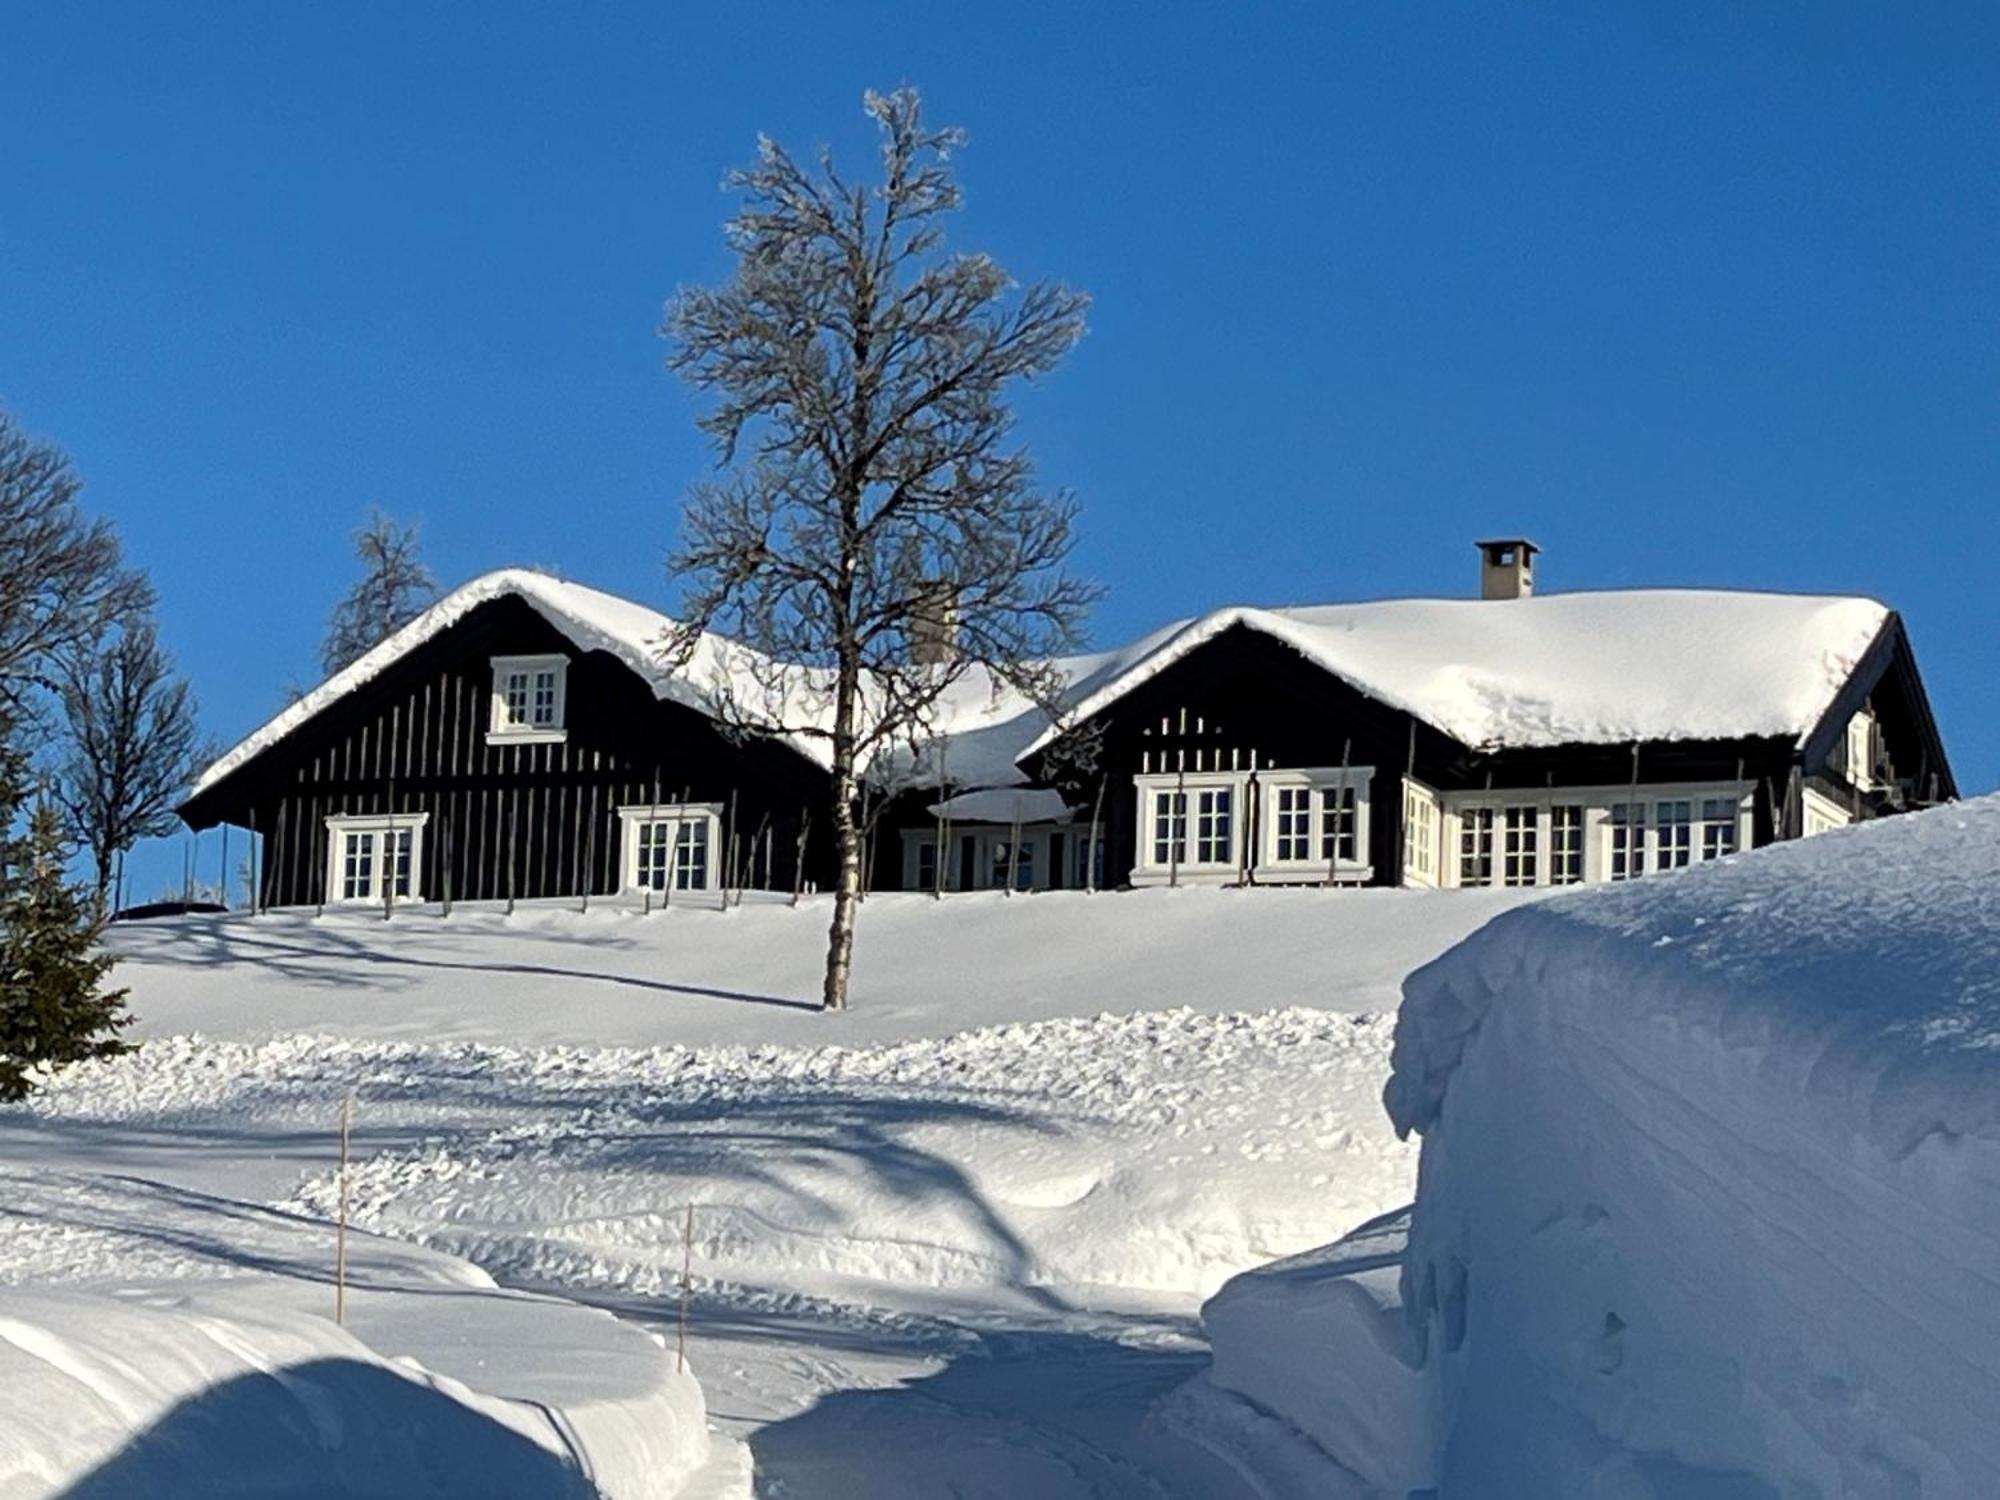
{"type": "Point", "coordinates": [426, 782]}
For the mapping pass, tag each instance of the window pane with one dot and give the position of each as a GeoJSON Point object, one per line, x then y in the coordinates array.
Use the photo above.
{"type": "Point", "coordinates": [544, 711]}
{"type": "Point", "coordinates": [357, 880]}
{"type": "Point", "coordinates": [1169, 827]}
{"type": "Point", "coordinates": [403, 837]}
{"type": "Point", "coordinates": [1628, 840]}
{"type": "Point", "coordinates": [516, 696]}
{"type": "Point", "coordinates": [1520, 849]}
{"type": "Point", "coordinates": [1475, 846]}
{"type": "Point", "coordinates": [691, 854]}
{"type": "Point", "coordinates": [1718, 827]}
{"type": "Point", "coordinates": [1673, 834]}
{"type": "Point", "coordinates": [927, 867]}
{"type": "Point", "coordinates": [1213, 843]}
{"type": "Point", "coordinates": [1336, 824]}
{"type": "Point", "coordinates": [1565, 845]}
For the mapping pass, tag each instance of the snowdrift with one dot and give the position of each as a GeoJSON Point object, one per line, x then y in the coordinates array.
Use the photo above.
{"type": "Point", "coordinates": [160, 1341]}
{"type": "Point", "coordinates": [1709, 1195]}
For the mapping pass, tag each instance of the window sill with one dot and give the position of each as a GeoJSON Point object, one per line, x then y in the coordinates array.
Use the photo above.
{"type": "Point", "coordinates": [526, 736]}
{"type": "Point", "coordinates": [1346, 873]}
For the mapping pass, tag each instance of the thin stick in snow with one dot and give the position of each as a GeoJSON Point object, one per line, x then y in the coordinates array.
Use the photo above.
{"type": "Point", "coordinates": [1339, 818]}
{"type": "Point", "coordinates": [1090, 854]}
{"type": "Point", "coordinates": [687, 1277]}
{"type": "Point", "coordinates": [799, 866]}
{"type": "Point", "coordinates": [340, 1223]}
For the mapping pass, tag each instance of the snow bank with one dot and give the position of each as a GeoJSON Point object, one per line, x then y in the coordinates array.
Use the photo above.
{"type": "Point", "coordinates": [1319, 1343]}
{"type": "Point", "coordinates": [1710, 1189]}
{"type": "Point", "coordinates": [156, 1340]}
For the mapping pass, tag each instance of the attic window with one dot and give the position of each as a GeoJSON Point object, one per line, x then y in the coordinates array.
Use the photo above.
{"type": "Point", "coordinates": [529, 699]}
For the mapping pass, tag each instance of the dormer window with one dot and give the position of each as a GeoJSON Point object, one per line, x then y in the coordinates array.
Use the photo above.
{"type": "Point", "coordinates": [529, 695]}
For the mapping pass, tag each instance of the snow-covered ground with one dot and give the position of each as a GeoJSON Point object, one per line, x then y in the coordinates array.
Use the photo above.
{"type": "Point", "coordinates": [976, 1212]}
{"type": "Point", "coordinates": [1709, 1203]}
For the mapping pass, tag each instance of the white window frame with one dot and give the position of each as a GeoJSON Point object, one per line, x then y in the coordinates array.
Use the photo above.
{"type": "Point", "coordinates": [1597, 803]}
{"type": "Point", "coordinates": [502, 728]}
{"type": "Point", "coordinates": [1326, 784]}
{"type": "Point", "coordinates": [632, 818]}
{"type": "Point", "coordinates": [1189, 870]}
{"type": "Point", "coordinates": [1422, 851]}
{"type": "Point", "coordinates": [1819, 813]}
{"type": "Point", "coordinates": [338, 828]}
{"type": "Point", "coordinates": [1860, 751]}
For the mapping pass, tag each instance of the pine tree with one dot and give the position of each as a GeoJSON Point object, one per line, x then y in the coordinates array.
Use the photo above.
{"type": "Point", "coordinates": [54, 1008]}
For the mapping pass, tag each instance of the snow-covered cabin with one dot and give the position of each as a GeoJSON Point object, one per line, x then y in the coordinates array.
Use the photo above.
{"type": "Point", "coordinates": [523, 738]}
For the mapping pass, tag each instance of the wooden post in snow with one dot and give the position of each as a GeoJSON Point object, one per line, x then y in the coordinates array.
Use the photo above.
{"type": "Point", "coordinates": [255, 893]}
{"type": "Point", "coordinates": [513, 809]}
{"type": "Point", "coordinates": [340, 1222]}
{"type": "Point", "coordinates": [1339, 813]}
{"type": "Point", "coordinates": [799, 864]}
{"type": "Point", "coordinates": [1090, 854]}
{"type": "Point", "coordinates": [687, 1278]}
{"type": "Point", "coordinates": [1014, 848]}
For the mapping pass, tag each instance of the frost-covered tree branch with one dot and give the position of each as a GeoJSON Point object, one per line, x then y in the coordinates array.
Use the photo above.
{"type": "Point", "coordinates": [876, 532]}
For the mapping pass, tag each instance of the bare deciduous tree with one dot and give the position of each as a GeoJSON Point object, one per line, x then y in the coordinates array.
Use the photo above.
{"type": "Point", "coordinates": [873, 535]}
{"type": "Point", "coordinates": [395, 588]}
{"type": "Point", "coordinates": [129, 745]}
{"type": "Point", "coordinates": [62, 579]}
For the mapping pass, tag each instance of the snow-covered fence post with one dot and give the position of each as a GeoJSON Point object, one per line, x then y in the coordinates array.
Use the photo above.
{"type": "Point", "coordinates": [513, 807]}
{"type": "Point", "coordinates": [1096, 824]}
{"type": "Point", "coordinates": [799, 856]}
{"type": "Point", "coordinates": [340, 1222]}
{"type": "Point", "coordinates": [1014, 848]}
{"type": "Point", "coordinates": [1338, 821]}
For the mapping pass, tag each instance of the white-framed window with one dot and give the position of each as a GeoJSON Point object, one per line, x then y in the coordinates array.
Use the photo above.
{"type": "Point", "coordinates": [927, 865]}
{"type": "Point", "coordinates": [375, 858]}
{"type": "Point", "coordinates": [1420, 834]}
{"type": "Point", "coordinates": [1278, 824]}
{"type": "Point", "coordinates": [1628, 840]}
{"type": "Point", "coordinates": [1292, 810]}
{"type": "Point", "coordinates": [530, 699]}
{"type": "Point", "coordinates": [1566, 843]}
{"type": "Point", "coordinates": [1475, 846]}
{"type": "Point", "coordinates": [670, 847]}
{"type": "Point", "coordinates": [1719, 827]}
{"type": "Point", "coordinates": [1822, 814]}
{"type": "Point", "coordinates": [1571, 835]}
{"type": "Point", "coordinates": [1860, 750]}
{"type": "Point", "coordinates": [1673, 833]}
{"type": "Point", "coordinates": [1520, 845]}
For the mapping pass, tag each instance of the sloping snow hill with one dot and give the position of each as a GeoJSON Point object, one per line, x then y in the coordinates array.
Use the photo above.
{"type": "Point", "coordinates": [1710, 1185]}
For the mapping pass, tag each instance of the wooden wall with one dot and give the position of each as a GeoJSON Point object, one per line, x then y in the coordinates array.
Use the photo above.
{"type": "Point", "coordinates": [512, 820]}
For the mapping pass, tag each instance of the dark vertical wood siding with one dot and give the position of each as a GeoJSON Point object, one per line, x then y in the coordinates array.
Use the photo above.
{"type": "Point", "coordinates": [414, 741]}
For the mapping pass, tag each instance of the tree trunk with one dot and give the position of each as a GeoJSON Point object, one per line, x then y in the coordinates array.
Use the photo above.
{"type": "Point", "coordinates": [847, 885]}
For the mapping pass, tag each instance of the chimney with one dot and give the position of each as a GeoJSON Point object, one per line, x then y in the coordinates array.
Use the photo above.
{"type": "Point", "coordinates": [934, 627]}
{"type": "Point", "coordinates": [1506, 568]}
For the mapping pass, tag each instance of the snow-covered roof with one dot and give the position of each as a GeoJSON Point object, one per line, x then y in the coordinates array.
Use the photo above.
{"type": "Point", "coordinates": [589, 618]}
{"type": "Point", "coordinates": [1004, 804]}
{"type": "Point", "coordinates": [1582, 668]}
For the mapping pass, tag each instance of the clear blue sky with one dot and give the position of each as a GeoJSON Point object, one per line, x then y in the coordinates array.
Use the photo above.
{"type": "Point", "coordinates": [1692, 294]}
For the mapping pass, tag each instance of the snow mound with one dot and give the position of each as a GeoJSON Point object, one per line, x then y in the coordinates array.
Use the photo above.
{"type": "Point", "coordinates": [1709, 1196]}
{"type": "Point", "coordinates": [1317, 1343]}
{"type": "Point", "coordinates": [156, 1340]}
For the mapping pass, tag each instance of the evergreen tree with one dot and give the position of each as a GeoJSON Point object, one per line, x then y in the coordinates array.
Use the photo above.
{"type": "Point", "coordinates": [54, 1008]}
{"type": "Point", "coordinates": [395, 588]}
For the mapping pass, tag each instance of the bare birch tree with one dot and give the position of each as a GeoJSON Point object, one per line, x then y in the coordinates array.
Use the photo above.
{"type": "Point", "coordinates": [62, 579]}
{"type": "Point", "coordinates": [129, 745]}
{"type": "Point", "coordinates": [873, 533]}
{"type": "Point", "coordinates": [395, 588]}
